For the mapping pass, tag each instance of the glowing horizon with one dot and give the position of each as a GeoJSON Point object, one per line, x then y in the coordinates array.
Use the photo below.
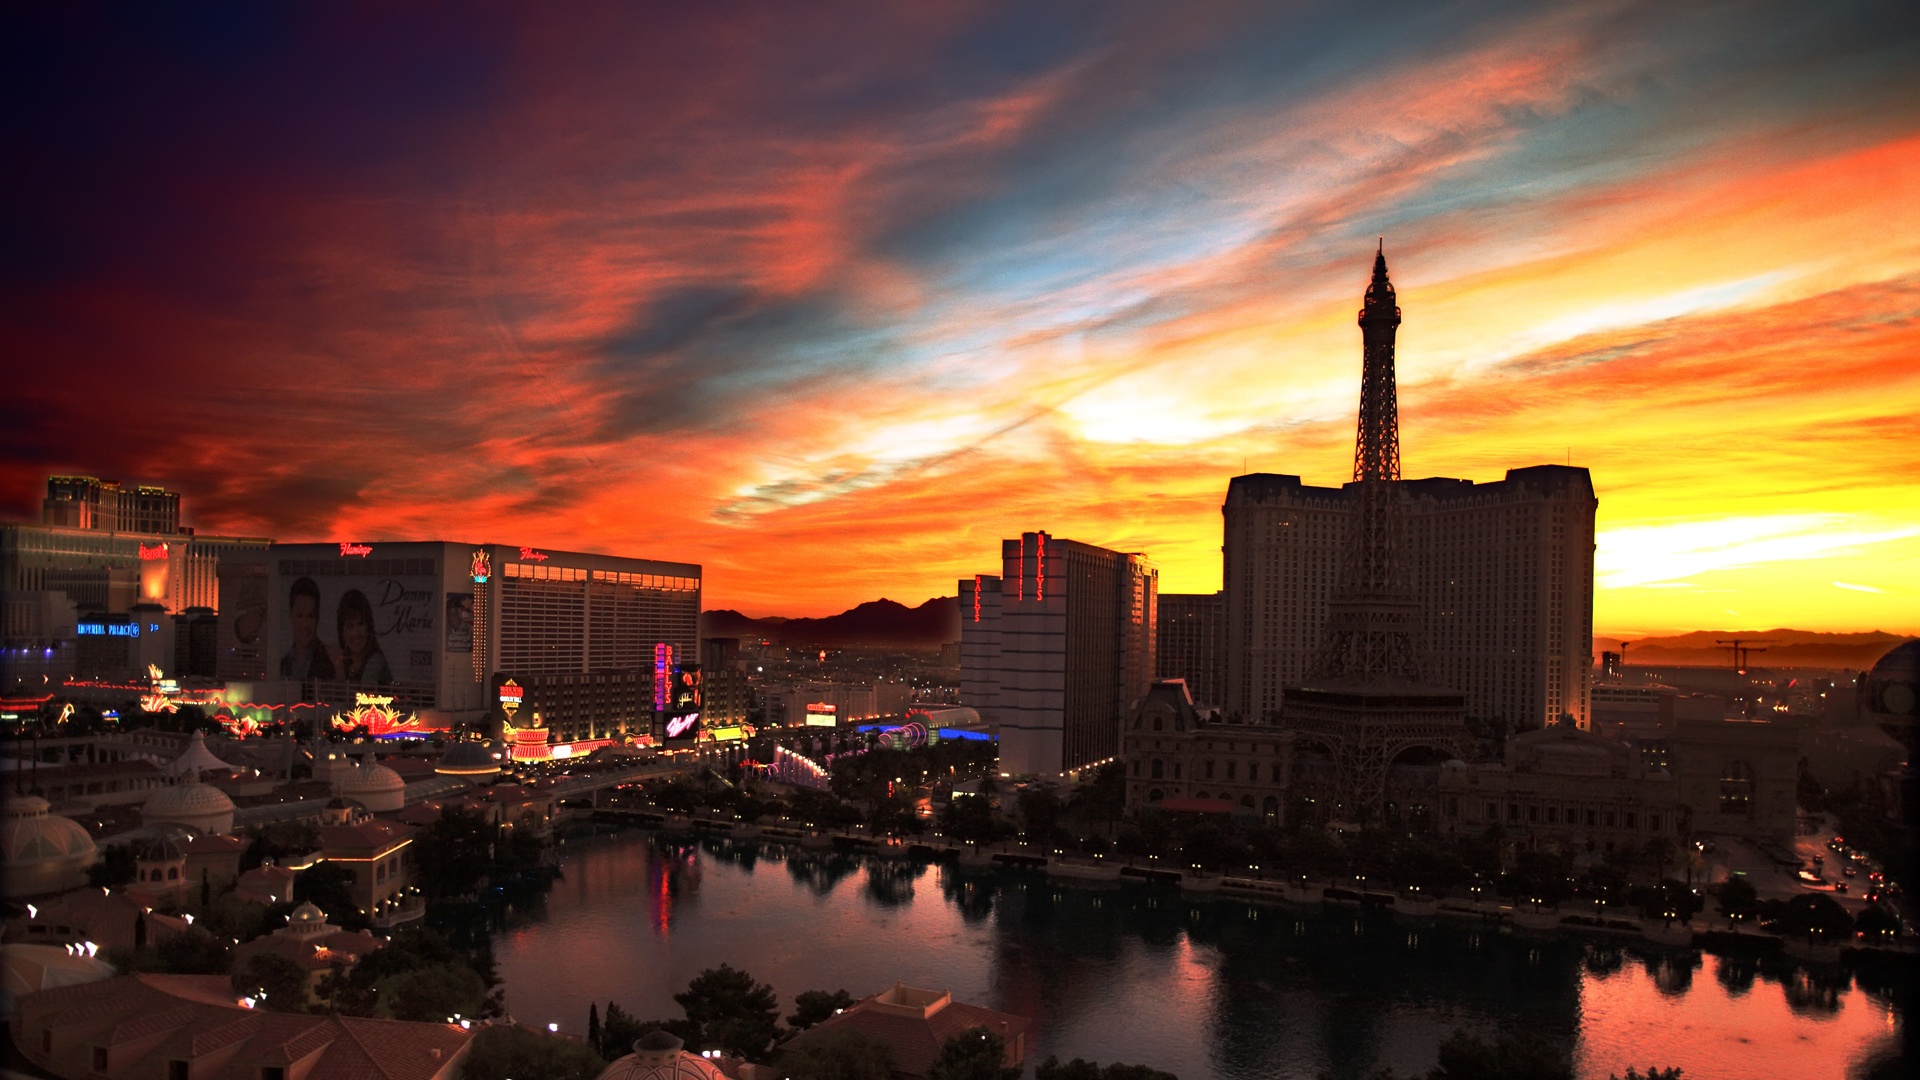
{"type": "Point", "coordinates": [831, 303]}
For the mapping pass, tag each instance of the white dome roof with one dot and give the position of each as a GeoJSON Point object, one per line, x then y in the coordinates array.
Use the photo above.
{"type": "Point", "coordinates": [43, 852]}
{"type": "Point", "coordinates": [657, 1056]}
{"type": "Point", "coordinates": [33, 833]}
{"type": "Point", "coordinates": [191, 803]}
{"type": "Point", "coordinates": [372, 776]}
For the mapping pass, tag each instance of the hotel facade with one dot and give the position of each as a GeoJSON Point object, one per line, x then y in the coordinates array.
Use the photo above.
{"type": "Point", "coordinates": [439, 626]}
{"type": "Point", "coordinates": [1056, 649]}
{"type": "Point", "coordinates": [1503, 570]}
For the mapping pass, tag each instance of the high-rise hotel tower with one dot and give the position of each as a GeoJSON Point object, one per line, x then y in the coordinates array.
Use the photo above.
{"type": "Point", "coordinates": [1503, 573]}
{"type": "Point", "coordinates": [1056, 648]}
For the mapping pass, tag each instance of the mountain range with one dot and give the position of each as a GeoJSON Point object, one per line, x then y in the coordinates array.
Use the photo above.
{"type": "Point", "coordinates": [886, 622]}
{"type": "Point", "coordinates": [1782, 648]}
{"type": "Point", "coordinates": [880, 622]}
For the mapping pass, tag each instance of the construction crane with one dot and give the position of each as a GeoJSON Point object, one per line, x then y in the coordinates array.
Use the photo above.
{"type": "Point", "coordinates": [1741, 647]}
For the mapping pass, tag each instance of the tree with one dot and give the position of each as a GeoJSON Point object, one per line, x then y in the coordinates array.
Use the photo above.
{"type": "Point", "coordinates": [115, 868]}
{"type": "Point", "coordinates": [432, 993]}
{"type": "Point", "coordinates": [192, 952]}
{"type": "Point", "coordinates": [974, 1054]}
{"type": "Point", "coordinates": [813, 1006]}
{"type": "Point", "coordinates": [1465, 1057]}
{"type": "Point", "coordinates": [329, 887]}
{"type": "Point", "coordinates": [1737, 898]}
{"type": "Point", "coordinates": [1660, 853]}
{"type": "Point", "coordinates": [1039, 812]}
{"type": "Point", "coordinates": [1813, 915]}
{"type": "Point", "coordinates": [970, 819]}
{"type": "Point", "coordinates": [620, 1030]}
{"type": "Point", "coordinates": [1104, 798]}
{"type": "Point", "coordinates": [1876, 923]}
{"type": "Point", "coordinates": [454, 853]}
{"type": "Point", "coordinates": [836, 1055]}
{"type": "Point", "coordinates": [732, 1011]}
{"type": "Point", "coordinates": [274, 980]}
{"type": "Point", "coordinates": [1652, 1073]}
{"type": "Point", "coordinates": [1081, 1069]}
{"type": "Point", "coordinates": [507, 1051]}
{"type": "Point", "coordinates": [419, 974]}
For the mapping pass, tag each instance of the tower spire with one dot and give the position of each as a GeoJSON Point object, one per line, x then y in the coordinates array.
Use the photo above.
{"type": "Point", "coordinates": [1373, 617]}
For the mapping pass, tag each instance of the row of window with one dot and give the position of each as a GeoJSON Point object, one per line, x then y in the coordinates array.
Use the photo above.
{"type": "Point", "coordinates": [1570, 817]}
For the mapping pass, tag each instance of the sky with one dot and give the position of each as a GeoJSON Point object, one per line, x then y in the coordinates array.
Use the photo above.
{"type": "Point", "coordinates": [830, 298]}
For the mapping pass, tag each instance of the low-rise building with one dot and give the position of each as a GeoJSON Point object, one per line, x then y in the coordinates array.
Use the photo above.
{"type": "Point", "coordinates": [374, 852]}
{"type": "Point", "coordinates": [1172, 751]}
{"type": "Point", "coordinates": [1564, 789]}
{"type": "Point", "coordinates": [1737, 776]}
{"type": "Point", "coordinates": [157, 1027]}
{"type": "Point", "coordinates": [312, 943]}
{"type": "Point", "coordinates": [915, 1023]}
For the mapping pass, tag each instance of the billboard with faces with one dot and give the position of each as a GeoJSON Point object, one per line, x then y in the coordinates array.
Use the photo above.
{"type": "Point", "coordinates": [369, 624]}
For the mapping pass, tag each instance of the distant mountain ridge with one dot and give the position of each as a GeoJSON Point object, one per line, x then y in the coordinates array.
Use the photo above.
{"type": "Point", "coordinates": [876, 622]}
{"type": "Point", "coordinates": [1784, 648]}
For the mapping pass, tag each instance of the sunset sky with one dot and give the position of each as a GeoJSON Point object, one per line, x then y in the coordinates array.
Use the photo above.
{"type": "Point", "coordinates": [830, 298]}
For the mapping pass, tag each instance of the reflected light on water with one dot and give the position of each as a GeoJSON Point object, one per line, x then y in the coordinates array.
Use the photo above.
{"type": "Point", "coordinates": [1790, 1027]}
{"type": "Point", "coordinates": [1133, 974]}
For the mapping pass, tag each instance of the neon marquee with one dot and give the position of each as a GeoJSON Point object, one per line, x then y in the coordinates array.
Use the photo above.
{"type": "Point", "coordinates": [481, 567]}
{"type": "Point", "coordinates": [362, 550]}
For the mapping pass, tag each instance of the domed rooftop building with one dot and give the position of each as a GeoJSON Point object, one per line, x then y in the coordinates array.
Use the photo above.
{"type": "Point", "coordinates": [44, 852]}
{"type": "Point", "coordinates": [197, 758]}
{"type": "Point", "coordinates": [25, 969]}
{"type": "Point", "coordinates": [373, 786]}
{"type": "Point", "coordinates": [657, 1056]}
{"type": "Point", "coordinates": [473, 760]}
{"type": "Point", "coordinates": [1890, 694]}
{"type": "Point", "coordinates": [198, 806]}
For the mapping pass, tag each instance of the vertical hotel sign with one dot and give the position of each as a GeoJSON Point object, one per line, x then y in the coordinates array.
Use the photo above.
{"type": "Point", "coordinates": [480, 568]}
{"type": "Point", "coordinates": [662, 677]}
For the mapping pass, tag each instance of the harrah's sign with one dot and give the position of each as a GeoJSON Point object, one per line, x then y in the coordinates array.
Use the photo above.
{"type": "Point", "coordinates": [154, 553]}
{"type": "Point", "coordinates": [362, 550]}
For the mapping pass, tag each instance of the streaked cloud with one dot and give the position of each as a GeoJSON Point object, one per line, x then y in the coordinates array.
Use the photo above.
{"type": "Point", "coordinates": [862, 290]}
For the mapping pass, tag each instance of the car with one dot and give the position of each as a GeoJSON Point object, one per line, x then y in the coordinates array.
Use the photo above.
{"type": "Point", "coordinates": [1848, 871]}
{"type": "Point", "coordinates": [1839, 886]}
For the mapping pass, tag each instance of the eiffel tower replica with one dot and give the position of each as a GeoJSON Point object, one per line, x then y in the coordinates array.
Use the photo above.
{"type": "Point", "coordinates": [1366, 697]}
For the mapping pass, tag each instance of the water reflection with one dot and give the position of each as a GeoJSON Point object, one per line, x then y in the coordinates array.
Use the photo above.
{"type": "Point", "coordinates": [1212, 988]}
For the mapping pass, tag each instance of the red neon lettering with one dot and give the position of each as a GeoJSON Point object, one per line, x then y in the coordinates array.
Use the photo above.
{"type": "Point", "coordinates": [362, 550]}
{"type": "Point", "coordinates": [1040, 567]}
{"type": "Point", "coordinates": [976, 598]}
{"type": "Point", "coordinates": [151, 554]}
{"type": "Point", "coordinates": [531, 555]}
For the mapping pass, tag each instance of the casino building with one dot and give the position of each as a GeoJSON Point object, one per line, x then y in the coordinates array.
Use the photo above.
{"type": "Point", "coordinates": [438, 626]}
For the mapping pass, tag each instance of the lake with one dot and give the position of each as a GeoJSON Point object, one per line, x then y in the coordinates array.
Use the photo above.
{"type": "Point", "coordinates": [1203, 988]}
